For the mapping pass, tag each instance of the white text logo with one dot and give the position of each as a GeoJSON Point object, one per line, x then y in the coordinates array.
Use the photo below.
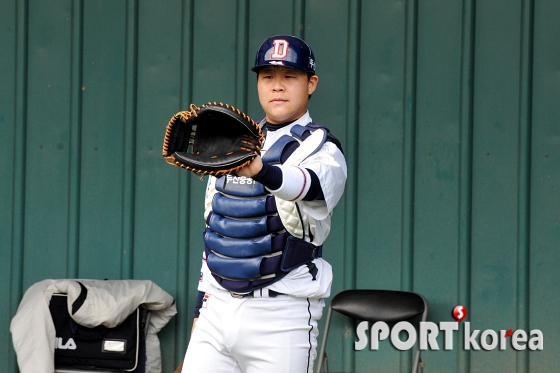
{"type": "Point", "coordinates": [70, 344]}
{"type": "Point", "coordinates": [473, 339]}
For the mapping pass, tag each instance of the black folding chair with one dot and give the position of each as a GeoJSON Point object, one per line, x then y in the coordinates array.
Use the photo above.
{"type": "Point", "coordinates": [376, 305]}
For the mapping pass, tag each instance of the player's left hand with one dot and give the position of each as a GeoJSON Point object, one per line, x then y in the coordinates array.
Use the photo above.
{"type": "Point", "coordinates": [252, 168]}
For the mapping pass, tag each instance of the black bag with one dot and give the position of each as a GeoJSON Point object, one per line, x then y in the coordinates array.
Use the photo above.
{"type": "Point", "coordinates": [121, 348]}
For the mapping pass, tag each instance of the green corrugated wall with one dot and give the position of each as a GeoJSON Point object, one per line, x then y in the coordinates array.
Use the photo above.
{"type": "Point", "coordinates": [448, 110]}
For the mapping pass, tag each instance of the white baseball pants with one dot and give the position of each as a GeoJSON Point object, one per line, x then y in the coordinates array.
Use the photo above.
{"type": "Point", "coordinates": [254, 335]}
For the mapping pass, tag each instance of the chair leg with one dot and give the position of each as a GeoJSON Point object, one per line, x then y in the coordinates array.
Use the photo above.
{"type": "Point", "coordinates": [322, 355]}
{"type": "Point", "coordinates": [418, 364]}
{"type": "Point", "coordinates": [325, 364]}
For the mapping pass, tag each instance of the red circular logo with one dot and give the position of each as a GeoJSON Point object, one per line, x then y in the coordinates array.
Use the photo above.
{"type": "Point", "coordinates": [459, 313]}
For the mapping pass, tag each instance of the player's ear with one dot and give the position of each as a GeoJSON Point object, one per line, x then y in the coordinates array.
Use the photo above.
{"type": "Point", "coordinates": [312, 84]}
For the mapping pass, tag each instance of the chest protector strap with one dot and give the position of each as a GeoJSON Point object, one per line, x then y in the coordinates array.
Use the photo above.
{"type": "Point", "coordinates": [288, 210]}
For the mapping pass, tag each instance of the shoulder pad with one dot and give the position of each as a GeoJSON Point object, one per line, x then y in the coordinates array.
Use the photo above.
{"type": "Point", "coordinates": [330, 137]}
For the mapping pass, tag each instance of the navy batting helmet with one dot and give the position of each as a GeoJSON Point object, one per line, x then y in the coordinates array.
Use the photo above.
{"type": "Point", "coordinates": [285, 50]}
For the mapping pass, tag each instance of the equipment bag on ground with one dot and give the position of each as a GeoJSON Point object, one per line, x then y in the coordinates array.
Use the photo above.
{"type": "Point", "coordinates": [121, 348]}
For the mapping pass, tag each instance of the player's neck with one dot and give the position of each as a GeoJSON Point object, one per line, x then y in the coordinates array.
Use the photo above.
{"type": "Point", "coordinates": [273, 126]}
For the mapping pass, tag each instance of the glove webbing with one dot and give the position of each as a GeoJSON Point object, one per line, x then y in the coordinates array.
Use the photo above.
{"type": "Point", "coordinates": [185, 115]}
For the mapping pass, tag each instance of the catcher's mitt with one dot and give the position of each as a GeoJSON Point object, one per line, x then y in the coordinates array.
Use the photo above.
{"type": "Point", "coordinates": [213, 139]}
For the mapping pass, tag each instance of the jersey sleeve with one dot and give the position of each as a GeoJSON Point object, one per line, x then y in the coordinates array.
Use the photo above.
{"type": "Point", "coordinates": [330, 167]}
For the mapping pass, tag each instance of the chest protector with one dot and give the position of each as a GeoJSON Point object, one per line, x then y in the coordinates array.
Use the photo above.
{"type": "Point", "coordinates": [254, 239]}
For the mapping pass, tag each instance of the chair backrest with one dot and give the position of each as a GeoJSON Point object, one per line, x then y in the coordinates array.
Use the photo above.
{"type": "Point", "coordinates": [376, 305]}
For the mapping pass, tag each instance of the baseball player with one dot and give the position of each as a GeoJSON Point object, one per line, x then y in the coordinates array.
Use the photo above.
{"type": "Point", "coordinates": [263, 279]}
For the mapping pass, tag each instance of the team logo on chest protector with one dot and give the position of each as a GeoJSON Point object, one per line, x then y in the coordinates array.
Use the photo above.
{"type": "Point", "coordinates": [241, 184]}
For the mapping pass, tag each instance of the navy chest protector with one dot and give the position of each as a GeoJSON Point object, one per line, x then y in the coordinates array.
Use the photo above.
{"type": "Point", "coordinates": [246, 244]}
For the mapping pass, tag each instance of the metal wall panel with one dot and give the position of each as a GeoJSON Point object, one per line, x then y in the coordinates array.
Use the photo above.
{"type": "Point", "coordinates": [495, 165]}
{"type": "Point", "coordinates": [542, 232]}
{"type": "Point", "coordinates": [447, 111]}
{"type": "Point", "coordinates": [437, 167]}
{"type": "Point", "coordinates": [102, 132]}
{"type": "Point", "coordinates": [10, 94]}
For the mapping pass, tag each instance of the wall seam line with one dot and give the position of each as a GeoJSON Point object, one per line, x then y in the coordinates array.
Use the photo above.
{"type": "Point", "coordinates": [409, 137]}
{"type": "Point", "coordinates": [409, 134]}
{"type": "Point", "coordinates": [524, 176]}
{"type": "Point", "coordinates": [20, 134]}
{"type": "Point", "coordinates": [241, 62]}
{"type": "Point", "coordinates": [72, 265]}
{"type": "Point", "coordinates": [182, 330]}
{"type": "Point", "coordinates": [465, 166]}
{"type": "Point", "coordinates": [129, 140]}
{"type": "Point", "coordinates": [351, 154]}
{"type": "Point", "coordinates": [298, 20]}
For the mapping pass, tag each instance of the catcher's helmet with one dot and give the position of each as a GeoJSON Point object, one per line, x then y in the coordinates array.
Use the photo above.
{"type": "Point", "coordinates": [285, 50]}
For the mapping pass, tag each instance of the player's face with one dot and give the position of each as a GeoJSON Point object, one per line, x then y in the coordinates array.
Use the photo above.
{"type": "Point", "coordinates": [284, 93]}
